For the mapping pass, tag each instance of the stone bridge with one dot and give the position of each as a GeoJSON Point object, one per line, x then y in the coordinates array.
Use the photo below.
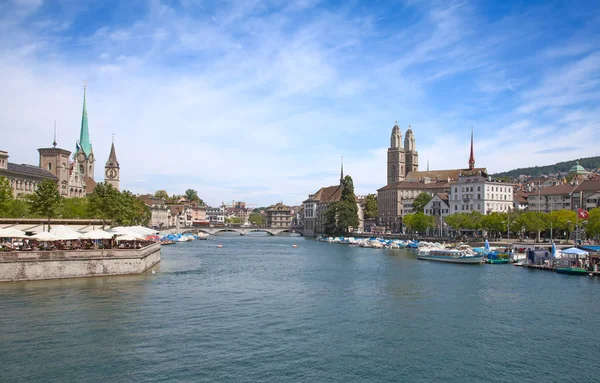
{"type": "Point", "coordinates": [239, 230]}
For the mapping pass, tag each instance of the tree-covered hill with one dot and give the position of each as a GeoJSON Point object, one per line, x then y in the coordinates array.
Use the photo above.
{"type": "Point", "coordinates": [588, 163]}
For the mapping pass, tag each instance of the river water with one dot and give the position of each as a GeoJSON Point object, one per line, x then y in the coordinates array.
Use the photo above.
{"type": "Point", "coordinates": [260, 310]}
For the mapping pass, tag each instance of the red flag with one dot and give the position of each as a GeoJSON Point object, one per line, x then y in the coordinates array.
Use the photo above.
{"type": "Point", "coordinates": [582, 214]}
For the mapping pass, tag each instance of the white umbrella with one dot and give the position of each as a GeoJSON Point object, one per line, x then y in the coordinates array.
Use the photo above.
{"type": "Point", "coordinates": [12, 233]}
{"type": "Point", "coordinates": [65, 232]}
{"type": "Point", "coordinates": [46, 236]}
{"type": "Point", "coordinates": [97, 234]}
{"type": "Point", "coordinates": [128, 237]}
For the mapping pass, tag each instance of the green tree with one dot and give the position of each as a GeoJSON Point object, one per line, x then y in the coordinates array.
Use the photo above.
{"type": "Point", "coordinates": [418, 222]}
{"type": "Point", "coordinates": [593, 223]}
{"type": "Point", "coordinates": [342, 215]}
{"type": "Point", "coordinates": [192, 196]}
{"type": "Point", "coordinates": [233, 220]}
{"type": "Point", "coordinates": [370, 206]}
{"type": "Point", "coordinates": [6, 197]}
{"type": "Point", "coordinates": [74, 208]}
{"type": "Point", "coordinates": [420, 202]}
{"type": "Point", "coordinates": [256, 218]}
{"type": "Point", "coordinates": [46, 199]}
{"type": "Point", "coordinates": [161, 194]}
{"type": "Point", "coordinates": [534, 222]}
{"type": "Point", "coordinates": [105, 203]}
{"type": "Point", "coordinates": [494, 222]}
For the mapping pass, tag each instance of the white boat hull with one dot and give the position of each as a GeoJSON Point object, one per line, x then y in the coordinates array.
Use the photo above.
{"type": "Point", "coordinates": [448, 259]}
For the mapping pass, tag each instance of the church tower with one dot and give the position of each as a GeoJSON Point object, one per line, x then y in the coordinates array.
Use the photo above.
{"type": "Point", "coordinates": [472, 156]}
{"type": "Point", "coordinates": [84, 154]}
{"type": "Point", "coordinates": [412, 156]}
{"type": "Point", "coordinates": [56, 161]}
{"type": "Point", "coordinates": [111, 169]}
{"type": "Point", "coordinates": [395, 157]}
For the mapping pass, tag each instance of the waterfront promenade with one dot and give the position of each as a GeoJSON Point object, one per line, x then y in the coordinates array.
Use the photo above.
{"type": "Point", "coordinates": [56, 264]}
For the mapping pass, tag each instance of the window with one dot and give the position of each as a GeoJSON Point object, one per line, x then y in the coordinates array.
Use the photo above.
{"type": "Point", "coordinates": [478, 188]}
{"type": "Point", "coordinates": [478, 196]}
{"type": "Point", "coordinates": [455, 207]}
{"type": "Point", "coordinates": [478, 206]}
{"type": "Point", "coordinates": [49, 166]}
{"type": "Point", "coordinates": [456, 190]}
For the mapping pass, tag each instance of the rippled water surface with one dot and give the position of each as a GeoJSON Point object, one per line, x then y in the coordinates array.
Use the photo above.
{"type": "Point", "coordinates": [260, 310]}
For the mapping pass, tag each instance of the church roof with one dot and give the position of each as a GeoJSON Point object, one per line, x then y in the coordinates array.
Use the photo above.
{"type": "Point", "coordinates": [84, 135]}
{"type": "Point", "coordinates": [411, 185]}
{"type": "Point", "coordinates": [442, 175]}
{"type": "Point", "coordinates": [578, 169]}
{"type": "Point", "coordinates": [112, 158]}
{"type": "Point", "coordinates": [27, 171]}
{"type": "Point", "coordinates": [328, 194]}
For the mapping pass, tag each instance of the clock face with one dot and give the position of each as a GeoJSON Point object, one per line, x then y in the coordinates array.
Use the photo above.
{"type": "Point", "coordinates": [111, 173]}
{"type": "Point", "coordinates": [91, 158]}
{"type": "Point", "coordinates": [80, 157]}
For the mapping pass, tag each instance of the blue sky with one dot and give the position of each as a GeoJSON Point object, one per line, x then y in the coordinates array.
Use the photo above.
{"type": "Point", "coordinates": [258, 100]}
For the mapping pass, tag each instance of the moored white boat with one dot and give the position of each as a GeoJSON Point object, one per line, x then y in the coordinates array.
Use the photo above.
{"type": "Point", "coordinates": [452, 256]}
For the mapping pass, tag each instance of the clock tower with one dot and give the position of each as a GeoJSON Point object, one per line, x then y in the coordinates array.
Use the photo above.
{"type": "Point", "coordinates": [111, 169]}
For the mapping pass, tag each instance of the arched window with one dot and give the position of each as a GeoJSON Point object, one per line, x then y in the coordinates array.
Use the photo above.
{"type": "Point", "coordinates": [49, 166]}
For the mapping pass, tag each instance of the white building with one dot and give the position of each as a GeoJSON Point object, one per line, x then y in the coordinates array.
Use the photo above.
{"type": "Point", "coordinates": [476, 191]}
{"type": "Point", "coordinates": [215, 215]}
{"type": "Point", "coordinates": [439, 208]}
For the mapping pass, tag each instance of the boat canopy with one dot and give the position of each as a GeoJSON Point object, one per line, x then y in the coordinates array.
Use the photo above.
{"type": "Point", "coordinates": [574, 251]}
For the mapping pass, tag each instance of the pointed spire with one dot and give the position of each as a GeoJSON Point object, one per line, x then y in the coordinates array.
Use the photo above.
{"type": "Point", "coordinates": [427, 163]}
{"type": "Point", "coordinates": [472, 156]}
{"type": "Point", "coordinates": [54, 142]}
{"type": "Point", "coordinates": [342, 172]}
{"type": "Point", "coordinates": [112, 157]}
{"type": "Point", "coordinates": [84, 135]}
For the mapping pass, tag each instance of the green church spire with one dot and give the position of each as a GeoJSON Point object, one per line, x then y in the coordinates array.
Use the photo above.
{"type": "Point", "coordinates": [84, 136]}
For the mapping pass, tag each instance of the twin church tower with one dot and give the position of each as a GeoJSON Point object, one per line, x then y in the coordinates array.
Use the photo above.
{"type": "Point", "coordinates": [76, 176]}
{"type": "Point", "coordinates": [401, 160]}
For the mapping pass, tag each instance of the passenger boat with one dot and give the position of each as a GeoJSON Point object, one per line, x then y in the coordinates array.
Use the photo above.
{"type": "Point", "coordinates": [571, 271]}
{"type": "Point", "coordinates": [452, 256]}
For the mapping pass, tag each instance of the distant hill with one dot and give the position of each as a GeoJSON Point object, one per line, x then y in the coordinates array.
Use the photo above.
{"type": "Point", "coordinates": [587, 163]}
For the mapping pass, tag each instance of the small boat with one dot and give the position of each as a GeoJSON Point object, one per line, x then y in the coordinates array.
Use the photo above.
{"type": "Point", "coordinates": [452, 256]}
{"type": "Point", "coordinates": [499, 261]}
{"type": "Point", "coordinates": [167, 242]}
{"type": "Point", "coordinates": [571, 271]}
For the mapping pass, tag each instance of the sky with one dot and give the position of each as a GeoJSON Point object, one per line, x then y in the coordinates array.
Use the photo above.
{"type": "Point", "coordinates": [258, 100]}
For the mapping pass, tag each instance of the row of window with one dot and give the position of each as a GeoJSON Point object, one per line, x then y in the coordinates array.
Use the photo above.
{"type": "Point", "coordinates": [23, 185]}
{"type": "Point", "coordinates": [431, 211]}
{"type": "Point", "coordinates": [503, 189]}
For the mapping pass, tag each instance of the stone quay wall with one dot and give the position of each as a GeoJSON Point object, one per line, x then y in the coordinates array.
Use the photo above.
{"type": "Point", "coordinates": [35, 265]}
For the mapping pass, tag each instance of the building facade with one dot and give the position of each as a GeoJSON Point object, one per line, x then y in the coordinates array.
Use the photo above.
{"type": "Point", "coordinates": [23, 179]}
{"type": "Point", "coordinates": [476, 191]}
{"type": "Point", "coordinates": [439, 208]}
{"type": "Point", "coordinates": [587, 195]}
{"type": "Point", "coordinates": [215, 215]}
{"type": "Point", "coordinates": [393, 201]}
{"type": "Point", "coordinates": [159, 209]}
{"type": "Point", "coordinates": [550, 198]}
{"type": "Point", "coordinates": [279, 216]}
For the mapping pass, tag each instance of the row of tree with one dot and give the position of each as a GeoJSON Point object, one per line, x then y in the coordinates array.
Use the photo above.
{"type": "Point", "coordinates": [190, 194]}
{"type": "Point", "coordinates": [106, 203]}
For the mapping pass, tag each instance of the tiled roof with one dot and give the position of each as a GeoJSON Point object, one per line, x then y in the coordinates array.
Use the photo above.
{"type": "Point", "coordinates": [409, 185]}
{"type": "Point", "coordinates": [330, 194]}
{"type": "Point", "coordinates": [90, 185]}
{"type": "Point", "coordinates": [589, 185]}
{"type": "Point", "coordinates": [555, 190]}
{"type": "Point", "coordinates": [27, 171]}
{"type": "Point", "coordinates": [443, 196]}
{"type": "Point", "coordinates": [442, 175]}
